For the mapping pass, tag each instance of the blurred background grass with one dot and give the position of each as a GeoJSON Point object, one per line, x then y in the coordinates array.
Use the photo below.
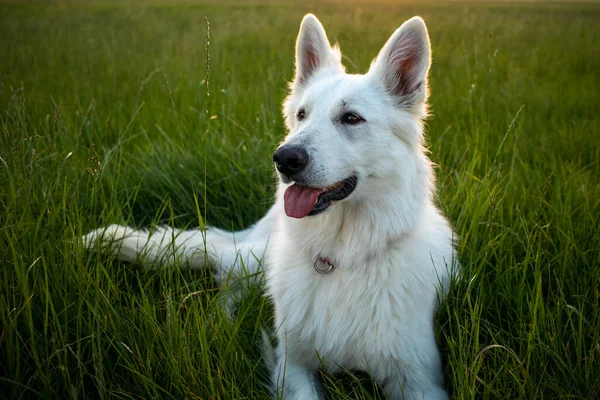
{"type": "Point", "coordinates": [105, 118]}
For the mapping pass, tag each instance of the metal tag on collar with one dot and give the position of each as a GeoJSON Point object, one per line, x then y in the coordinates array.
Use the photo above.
{"type": "Point", "coordinates": [323, 265]}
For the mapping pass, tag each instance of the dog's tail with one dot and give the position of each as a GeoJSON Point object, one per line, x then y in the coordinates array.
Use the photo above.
{"type": "Point", "coordinates": [192, 249]}
{"type": "Point", "coordinates": [153, 249]}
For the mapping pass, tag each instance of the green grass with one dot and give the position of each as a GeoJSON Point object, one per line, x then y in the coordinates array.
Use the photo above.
{"type": "Point", "coordinates": [106, 117]}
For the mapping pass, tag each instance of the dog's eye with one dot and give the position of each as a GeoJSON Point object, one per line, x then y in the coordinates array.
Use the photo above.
{"type": "Point", "coordinates": [352, 118]}
{"type": "Point", "coordinates": [300, 115]}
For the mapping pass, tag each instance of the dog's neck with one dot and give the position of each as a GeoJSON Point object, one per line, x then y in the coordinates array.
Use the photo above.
{"type": "Point", "coordinates": [357, 231]}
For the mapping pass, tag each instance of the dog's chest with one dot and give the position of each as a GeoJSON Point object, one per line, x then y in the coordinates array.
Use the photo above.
{"type": "Point", "coordinates": [348, 316]}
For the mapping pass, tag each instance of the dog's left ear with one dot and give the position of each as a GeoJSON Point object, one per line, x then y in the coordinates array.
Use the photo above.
{"type": "Point", "coordinates": [403, 63]}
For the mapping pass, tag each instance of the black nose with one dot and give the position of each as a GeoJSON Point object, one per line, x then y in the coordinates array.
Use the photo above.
{"type": "Point", "coordinates": [290, 159]}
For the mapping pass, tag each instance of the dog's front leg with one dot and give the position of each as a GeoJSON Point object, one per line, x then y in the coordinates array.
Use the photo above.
{"type": "Point", "coordinates": [394, 389]}
{"type": "Point", "coordinates": [418, 374]}
{"type": "Point", "coordinates": [292, 381]}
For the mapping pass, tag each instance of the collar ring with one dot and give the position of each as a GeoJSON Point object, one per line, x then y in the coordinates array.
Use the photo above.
{"type": "Point", "coordinates": [323, 265]}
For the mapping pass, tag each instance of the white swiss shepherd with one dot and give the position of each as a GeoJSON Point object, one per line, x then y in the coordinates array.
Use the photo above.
{"type": "Point", "coordinates": [355, 249]}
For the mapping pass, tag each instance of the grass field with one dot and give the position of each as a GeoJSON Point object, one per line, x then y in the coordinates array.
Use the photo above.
{"type": "Point", "coordinates": [108, 114]}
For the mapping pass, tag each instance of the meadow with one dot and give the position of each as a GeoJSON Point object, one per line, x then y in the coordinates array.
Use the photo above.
{"type": "Point", "coordinates": [135, 113]}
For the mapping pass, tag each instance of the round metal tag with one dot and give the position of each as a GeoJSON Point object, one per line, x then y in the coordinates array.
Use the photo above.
{"type": "Point", "coordinates": [323, 265]}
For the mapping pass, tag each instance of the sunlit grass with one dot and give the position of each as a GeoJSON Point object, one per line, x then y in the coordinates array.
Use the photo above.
{"type": "Point", "coordinates": [103, 120]}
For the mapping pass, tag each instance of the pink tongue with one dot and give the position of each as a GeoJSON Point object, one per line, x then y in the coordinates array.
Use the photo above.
{"type": "Point", "coordinates": [299, 200]}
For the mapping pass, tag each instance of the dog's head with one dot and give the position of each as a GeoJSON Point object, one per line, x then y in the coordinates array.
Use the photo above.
{"type": "Point", "coordinates": [353, 137]}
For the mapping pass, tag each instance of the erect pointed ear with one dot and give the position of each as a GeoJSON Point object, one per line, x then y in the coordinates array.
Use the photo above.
{"type": "Point", "coordinates": [402, 64]}
{"type": "Point", "coordinates": [313, 51]}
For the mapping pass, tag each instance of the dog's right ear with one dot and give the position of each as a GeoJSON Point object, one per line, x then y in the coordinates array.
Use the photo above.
{"type": "Point", "coordinates": [313, 52]}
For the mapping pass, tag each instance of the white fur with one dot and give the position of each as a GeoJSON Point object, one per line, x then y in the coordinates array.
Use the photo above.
{"type": "Point", "coordinates": [392, 249]}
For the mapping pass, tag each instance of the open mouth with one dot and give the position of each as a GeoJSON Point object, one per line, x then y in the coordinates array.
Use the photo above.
{"type": "Point", "coordinates": [300, 201]}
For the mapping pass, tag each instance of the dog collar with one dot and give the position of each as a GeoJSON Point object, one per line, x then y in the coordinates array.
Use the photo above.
{"type": "Point", "coordinates": [323, 265]}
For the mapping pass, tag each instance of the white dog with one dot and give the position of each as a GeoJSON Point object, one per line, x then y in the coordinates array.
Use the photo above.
{"type": "Point", "coordinates": [355, 249]}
